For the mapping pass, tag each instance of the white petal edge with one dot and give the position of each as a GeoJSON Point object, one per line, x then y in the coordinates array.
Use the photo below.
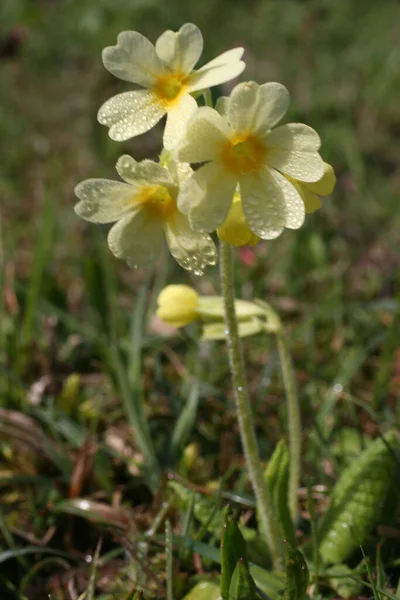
{"type": "Point", "coordinates": [134, 59]}
{"type": "Point", "coordinates": [293, 149]}
{"type": "Point", "coordinates": [207, 197]}
{"type": "Point", "coordinates": [177, 119]}
{"type": "Point", "coordinates": [205, 133]}
{"type": "Point", "coordinates": [193, 251]}
{"type": "Point", "coordinates": [146, 172]}
{"type": "Point", "coordinates": [138, 239]}
{"type": "Point", "coordinates": [104, 200]}
{"type": "Point", "coordinates": [182, 49]}
{"type": "Point", "coordinates": [130, 114]}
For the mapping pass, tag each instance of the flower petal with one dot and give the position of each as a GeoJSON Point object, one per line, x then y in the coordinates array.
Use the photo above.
{"type": "Point", "coordinates": [134, 58]}
{"type": "Point", "coordinates": [311, 200]}
{"type": "Point", "coordinates": [182, 49]}
{"type": "Point", "coordinates": [138, 239]}
{"type": "Point", "coordinates": [130, 114]}
{"type": "Point", "coordinates": [263, 205]}
{"type": "Point", "coordinates": [177, 120]}
{"type": "Point", "coordinates": [253, 107]}
{"type": "Point", "coordinates": [103, 200]}
{"type": "Point", "coordinates": [192, 250]}
{"type": "Point", "coordinates": [221, 106]}
{"type": "Point", "coordinates": [225, 67]}
{"type": "Point", "coordinates": [326, 184]}
{"type": "Point", "coordinates": [235, 230]}
{"type": "Point", "coordinates": [242, 105]}
{"type": "Point", "coordinates": [146, 172]}
{"type": "Point", "coordinates": [294, 205]}
{"type": "Point", "coordinates": [274, 102]}
{"type": "Point", "coordinates": [205, 133]}
{"type": "Point", "coordinates": [207, 197]}
{"type": "Point", "coordinates": [293, 149]}
{"type": "Point", "coordinates": [271, 203]}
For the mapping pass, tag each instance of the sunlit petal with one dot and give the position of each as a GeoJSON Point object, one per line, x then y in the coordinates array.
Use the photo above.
{"type": "Point", "coordinates": [205, 133]}
{"type": "Point", "coordinates": [177, 120]}
{"type": "Point", "coordinates": [146, 172]}
{"type": "Point", "coordinates": [293, 149]}
{"type": "Point", "coordinates": [138, 239]}
{"type": "Point", "coordinates": [182, 49]}
{"type": "Point", "coordinates": [130, 114]}
{"type": "Point", "coordinates": [207, 197]}
{"type": "Point", "coordinates": [273, 104]}
{"type": "Point", "coordinates": [103, 200]}
{"type": "Point", "coordinates": [270, 203]}
{"type": "Point", "coordinates": [192, 250]}
{"type": "Point", "coordinates": [225, 67]}
{"type": "Point", "coordinates": [133, 59]}
{"type": "Point", "coordinates": [326, 184]}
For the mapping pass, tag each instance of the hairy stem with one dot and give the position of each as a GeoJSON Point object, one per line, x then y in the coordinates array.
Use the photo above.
{"type": "Point", "coordinates": [268, 521]}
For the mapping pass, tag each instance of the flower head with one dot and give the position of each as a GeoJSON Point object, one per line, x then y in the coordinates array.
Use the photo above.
{"type": "Point", "coordinates": [166, 71]}
{"type": "Point", "coordinates": [311, 192]}
{"type": "Point", "coordinates": [240, 147]}
{"type": "Point", "coordinates": [145, 210]}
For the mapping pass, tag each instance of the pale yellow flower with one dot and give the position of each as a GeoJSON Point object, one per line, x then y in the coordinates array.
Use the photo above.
{"type": "Point", "coordinates": [311, 192]}
{"type": "Point", "coordinates": [167, 73]}
{"type": "Point", "coordinates": [145, 210]}
{"type": "Point", "coordinates": [240, 146]}
{"type": "Point", "coordinates": [235, 230]}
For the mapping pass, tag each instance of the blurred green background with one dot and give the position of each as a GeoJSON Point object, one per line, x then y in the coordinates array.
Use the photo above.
{"type": "Point", "coordinates": [335, 282]}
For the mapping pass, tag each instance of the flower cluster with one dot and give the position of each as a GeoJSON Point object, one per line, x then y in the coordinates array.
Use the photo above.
{"type": "Point", "coordinates": [254, 178]}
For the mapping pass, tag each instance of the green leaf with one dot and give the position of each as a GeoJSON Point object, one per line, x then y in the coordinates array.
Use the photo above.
{"type": "Point", "coordinates": [205, 590]}
{"type": "Point", "coordinates": [204, 509]}
{"type": "Point", "coordinates": [186, 421]}
{"type": "Point", "coordinates": [233, 549]}
{"type": "Point", "coordinates": [340, 578]}
{"type": "Point", "coordinates": [277, 477]}
{"type": "Point", "coordinates": [270, 583]}
{"type": "Point", "coordinates": [356, 501]}
{"type": "Point", "coordinates": [297, 574]}
{"type": "Point", "coordinates": [242, 586]}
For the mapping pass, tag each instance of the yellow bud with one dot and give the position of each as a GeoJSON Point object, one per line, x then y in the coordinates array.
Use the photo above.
{"type": "Point", "coordinates": [190, 455]}
{"type": "Point", "coordinates": [177, 305]}
{"type": "Point", "coordinates": [235, 230]}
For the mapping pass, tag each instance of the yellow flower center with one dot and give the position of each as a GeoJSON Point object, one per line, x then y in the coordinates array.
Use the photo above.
{"type": "Point", "coordinates": [170, 86]}
{"type": "Point", "coordinates": [158, 201]}
{"type": "Point", "coordinates": [243, 154]}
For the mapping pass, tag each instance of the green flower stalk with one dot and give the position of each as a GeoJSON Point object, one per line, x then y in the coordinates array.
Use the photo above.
{"type": "Point", "coordinates": [268, 523]}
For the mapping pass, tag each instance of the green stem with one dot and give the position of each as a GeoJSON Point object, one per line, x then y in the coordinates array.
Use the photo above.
{"type": "Point", "coordinates": [294, 423]}
{"type": "Point", "coordinates": [269, 525]}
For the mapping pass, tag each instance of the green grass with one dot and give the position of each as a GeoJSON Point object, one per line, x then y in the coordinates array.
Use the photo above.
{"type": "Point", "coordinates": [97, 403]}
